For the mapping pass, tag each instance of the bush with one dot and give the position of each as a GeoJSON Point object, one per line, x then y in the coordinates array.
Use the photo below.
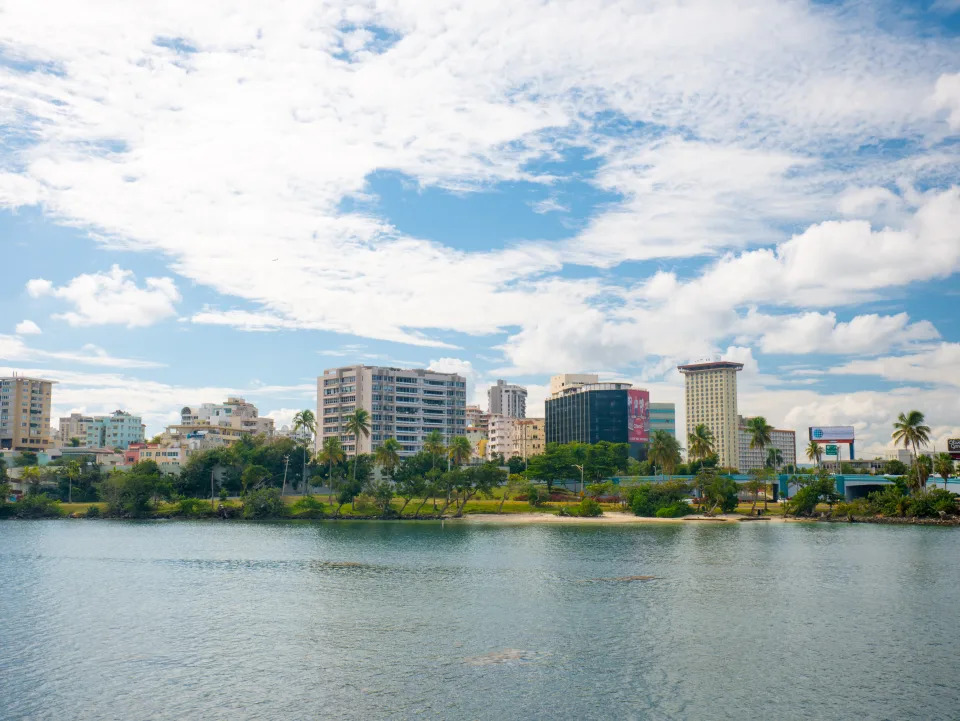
{"type": "Point", "coordinates": [675, 510]}
{"type": "Point", "coordinates": [534, 495]}
{"type": "Point", "coordinates": [264, 503]}
{"type": "Point", "coordinates": [37, 506]}
{"type": "Point", "coordinates": [647, 499]}
{"type": "Point", "coordinates": [194, 508]}
{"type": "Point", "coordinates": [93, 512]}
{"type": "Point", "coordinates": [308, 507]}
{"type": "Point", "coordinates": [933, 503]}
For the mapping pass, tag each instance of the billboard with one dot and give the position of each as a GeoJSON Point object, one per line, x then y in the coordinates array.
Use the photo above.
{"type": "Point", "coordinates": [953, 447]}
{"type": "Point", "coordinates": [839, 434]}
{"type": "Point", "coordinates": [638, 415]}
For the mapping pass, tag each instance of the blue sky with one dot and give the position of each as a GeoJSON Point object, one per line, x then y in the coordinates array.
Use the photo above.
{"type": "Point", "coordinates": [213, 201]}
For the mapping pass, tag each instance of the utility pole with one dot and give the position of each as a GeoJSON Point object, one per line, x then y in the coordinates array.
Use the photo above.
{"type": "Point", "coordinates": [212, 504]}
{"type": "Point", "coordinates": [286, 464]}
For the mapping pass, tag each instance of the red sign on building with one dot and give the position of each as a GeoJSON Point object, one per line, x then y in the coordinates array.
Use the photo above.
{"type": "Point", "coordinates": [638, 416]}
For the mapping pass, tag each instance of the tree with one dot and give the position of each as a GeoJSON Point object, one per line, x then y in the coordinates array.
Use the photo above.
{"type": "Point", "coordinates": [515, 482]}
{"type": "Point", "coordinates": [305, 420]}
{"type": "Point", "coordinates": [920, 471]}
{"type": "Point", "coordinates": [74, 442]}
{"type": "Point", "coordinates": [410, 478]}
{"type": "Point", "coordinates": [460, 451]}
{"type": "Point", "coordinates": [664, 452]}
{"type": "Point", "coordinates": [387, 456]}
{"type": "Point", "coordinates": [434, 446]}
{"type": "Point", "coordinates": [332, 454]}
{"type": "Point", "coordinates": [894, 468]}
{"type": "Point", "coordinates": [720, 492]}
{"type": "Point", "coordinates": [554, 463]}
{"type": "Point", "coordinates": [72, 472]}
{"type": "Point", "coordinates": [358, 426]}
{"type": "Point", "coordinates": [252, 477]}
{"type": "Point", "coordinates": [477, 479]}
{"type": "Point", "coordinates": [516, 465]}
{"type": "Point", "coordinates": [943, 465]}
{"type": "Point", "coordinates": [910, 430]}
{"type": "Point", "coordinates": [814, 452]}
{"type": "Point", "coordinates": [700, 443]}
{"type": "Point", "coordinates": [760, 437]}
{"type": "Point", "coordinates": [131, 493]}
{"type": "Point", "coordinates": [31, 476]}
{"type": "Point", "coordinates": [759, 478]}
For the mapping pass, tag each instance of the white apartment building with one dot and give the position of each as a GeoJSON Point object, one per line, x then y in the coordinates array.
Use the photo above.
{"type": "Point", "coordinates": [25, 413]}
{"type": "Point", "coordinates": [562, 381]}
{"type": "Point", "coordinates": [751, 458]}
{"type": "Point", "coordinates": [505, 399]}
{"type": "Point", "coordinates": [235, 413]}
{"type": "Point", "coordinates": [405, 404]}
{"type": "Point", "coordinates": [523, 437]}
{"type": "Point", "coordinates": [711, 399]}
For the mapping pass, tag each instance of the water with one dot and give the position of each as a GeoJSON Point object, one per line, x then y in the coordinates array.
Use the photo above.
{"type": "Point", "coordinates": [177, 620]}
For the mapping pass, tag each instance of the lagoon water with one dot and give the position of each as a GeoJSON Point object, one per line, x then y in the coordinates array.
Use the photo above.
{"type": "Point", "coordinates": [367, 620]}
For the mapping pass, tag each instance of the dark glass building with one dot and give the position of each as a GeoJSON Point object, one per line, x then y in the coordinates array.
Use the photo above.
{"type": "Point", "coordinates": [591, 413]}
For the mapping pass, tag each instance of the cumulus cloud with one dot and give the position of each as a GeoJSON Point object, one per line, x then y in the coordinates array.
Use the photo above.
{"type": "Point", "coordinates": [27, 327]}
{"type": "Point", "coordinates": [13, 348]}
{"type": "Point", "coordinates": [111, 297]}
{"type": "Point", "coordinates": [946, 96]}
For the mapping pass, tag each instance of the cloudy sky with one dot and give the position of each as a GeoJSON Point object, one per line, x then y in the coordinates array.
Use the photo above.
{"type": "Point", "coordinates": [220, 197]}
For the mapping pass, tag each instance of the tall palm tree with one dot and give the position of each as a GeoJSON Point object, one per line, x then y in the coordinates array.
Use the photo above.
{"type": "Point", "coordinates": [460, 450]}
{"type": "Point", "coordinates": [943, 465]}
{"type": "Point", "coordinates": [72, 472]}
{"type": "Point", "coordinates": [700, 443]}
{"type": "Point", "coordinates": [358, 426]}
{"type": "Point", "coordinates": [814, 452]}
{"type": "Point", "coordinates": [31, 475]}
{"type": "Point", "coordinates": [387, 456]}
{"type": "Point", "coordinates": [910, 430]}
{"type": "Point", "coordinates": [331, 453]}
{"type": "Point", "coordinates": [433, 444]}
{"type": "Point", "coordinates": [664, 451]}
{"type": "Point", "coordinates": [305, 420]}
{"type": "Point", "coordinates": [760, 437]}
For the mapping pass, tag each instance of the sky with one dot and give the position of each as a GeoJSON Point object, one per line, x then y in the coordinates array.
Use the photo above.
{"type": "Point", "coordinates": [226, 198]}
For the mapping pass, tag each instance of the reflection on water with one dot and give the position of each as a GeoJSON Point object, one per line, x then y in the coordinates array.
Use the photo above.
{"type": "Point", "coordinates": [174, 620]}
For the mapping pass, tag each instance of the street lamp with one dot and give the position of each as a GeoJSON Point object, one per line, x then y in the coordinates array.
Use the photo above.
{"type": "Point", "coordinates": [575, 465]}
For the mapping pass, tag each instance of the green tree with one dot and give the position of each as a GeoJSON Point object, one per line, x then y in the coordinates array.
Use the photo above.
{"type": "Point", "coordinates": [434, 446]}
{"type": "Point", "coordinates": [720, 492]}
{"type": "Point", "coordinates": [943, 465]}
{"type": "Point", "coordinates": [358, 426]}
{"type": "Point", "coordinates": [74, 442]}
{"type": "Point", "coordinates": [664, 452]}
{"type": "Point", "coordinates": [555, 463]}
{"type": "Point", "coordinates": [72, 472]}
{"type": "Point", "coordinates": [700, 443]}
{"type": "Point", "coordinates": [307, 421]}
{"type": "Point", "coordinates": [894, 468]}
{"type": "Point", "coordinates": [264, 503]}
{"type": "Point", "coordinates": [516, 464]}
{"type": "Point", "coordinates": [477, 480]}
{"type": "Point", "coordinates": [910, 431]}
{"type": "Point", "coordinates": [410, 478]}
{"type": "Point", "coordinates": [814, 452]}
{"type": "Point", "coordinates": [31, 476]}
{"type": "Point", "coordinates": [332, 454]}
{"type": "Point", "coordinates": [515, 481]}
{"type": "Point", "coordinates": [387, 456]}
{"type": "Point", "coordinates": [760, 437]}
{"type": "Point", "coordinates": [460, 451]}
{"type": "Point", "coordinates": [252, 477]}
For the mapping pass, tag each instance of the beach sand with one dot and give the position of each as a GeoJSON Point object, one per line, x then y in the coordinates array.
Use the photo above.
{"type": "Point", "coordinates": [607, 517]}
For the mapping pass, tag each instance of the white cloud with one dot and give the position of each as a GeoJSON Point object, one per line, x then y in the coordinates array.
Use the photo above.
{"type": "Point", "coordinates": [111, 297]}
{"type": "Point", "coordinates": [27, 327]}
{"type": "Point", "coordinates": [938, 365]}
{"type": "Point", "coordinates": [946, 96]}
{"type": "Point", "coordinates": [549, 205]}
{"type": "Point", "coordinates": [13, 349]}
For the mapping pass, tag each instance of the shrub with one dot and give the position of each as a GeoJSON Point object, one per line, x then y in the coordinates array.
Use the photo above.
{"type": "Point", "coordinates": [37, 506]}
{"type": "Point", "coordinates": [647, 499]}
{"type": "Point", "coordinates": [675, 510]}
{"type": "Point", "coordinates": [534, 496]}
{"type": "Point", "coordinates": [93, 512]}
{"type": "Point", "coordinates": [932, 503]}
{"type": "Point", "coordinates": [587, 508]}
{"type": "Point", "coordinates": [308, 507]}
{"type": "Point", "coordinates": [223, 494]}
{"type": "Point", "coordinates": [194, 507]}
{"type": "Point", "coordinates": [264, 503]}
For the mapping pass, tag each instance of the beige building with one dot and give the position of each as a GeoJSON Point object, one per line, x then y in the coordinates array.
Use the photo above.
{"type": "Point", "coordinates": [523, 437]}
{"type": "Point", "coordinates": [236, 413]}
{"type": "Point", "coordinates": [559, 383]}
{"type": "Point", "coordinates": [406, 404]}
{"type": "Point", "coordinates": [74, 426]}
{"type": "Point", "coordinates": [711, 399]}
{"type": "Point", "coordinates": [25, 413]}
{"type": "Point", "coordinates": [477, 418]}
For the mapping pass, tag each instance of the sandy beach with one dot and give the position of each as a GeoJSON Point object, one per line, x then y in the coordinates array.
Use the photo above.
{"type": "Point", "coordinates": [609, 517]}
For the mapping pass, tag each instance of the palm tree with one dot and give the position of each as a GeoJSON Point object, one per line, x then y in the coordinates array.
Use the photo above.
{"type": "Point", "coordinates": [72, 472]}
{"type": "Point", "coordinates": [433, 444]}
{"type": "Point", "coordinates": [305, 420]}
{"type": "Point", "coordinates": [460, 450]}
{"type": "Point", "coordinates": [31, 475]}
{"type": "Point", "coordinates": [332, 454]}
{"type": "Point", "coordinates": [909, 430]}
{"type": "Point", "coordinates": [358, 426]}
{"type": "Point", "coordinates": [814, 452]}
{"type": "Point", "coordinates": [759, 431]}
{"type": "Point", "coordinates": [387, 455]}
{"type": "Point", "coordinates": [943, 465]}
{"type": "Point", "coordinates": [700, 443]}
{"type": "Point", "coordinates": [664, 451]}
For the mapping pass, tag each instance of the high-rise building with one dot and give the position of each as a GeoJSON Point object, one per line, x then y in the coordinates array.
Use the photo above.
{"type": "Point", "coordinates": [25, 413]}
{"type": "Point", "coordinates": [663, 417]}
{"type": "Point", "coordinates": [562, 381]}
{"type": "Point", "coordinates": [403, 404]}
{"type": "Point", "coordinates": [505, 399]}
{"type": "Point", "coordinates": [589, 413]}
{"type": "Point", "coordinates": [236, 413]}
{"type": "Point", "coordinates": [117, 430]}
{"type": "Point", "coordinates": [711, 399]}
{"type": "Point", "coordinates": [72, 427]}
{"type": "Point", "coordinates": [751, 458]}
{"type": "Point", "coordinates": [522, 437]}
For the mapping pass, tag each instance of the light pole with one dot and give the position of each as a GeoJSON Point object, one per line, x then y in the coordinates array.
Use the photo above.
{"type": "Point", "coordinates": [581, 476]}
{"type": "Point", "coordinates": [286, 463]}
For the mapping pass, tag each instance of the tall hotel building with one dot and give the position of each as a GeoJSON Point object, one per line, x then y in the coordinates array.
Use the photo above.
{"type": "Point", "coordinates": [25, 413]}
{"type": "Point", "coordinates": [403, 404]}
{"type": "Point", "coordinates": [711, 399]}
{"type": "Point", "coordinates": [506, 399]}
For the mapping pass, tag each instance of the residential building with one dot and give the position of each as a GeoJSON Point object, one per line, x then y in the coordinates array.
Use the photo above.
{"type": "Point", "coordinates": [117, 430]}
{"type": "Point", "coordinates": [562, 381]}
{"type": "Point", "coordinates": [235, 413]}
{"type": "Point", "coordinates": [589, 413]}
{"type": "Point", "coordinates": [73, 426]}
{"type": "Point", "coordinates": [500, 436]}
{"type": "Point", "coordinates": [477, 418]}
{"type": "Point", "coordinates": [751, 458]}
{"type": "Point", "coordinates": [106, 458]}
{"type": "Point", "coordinates": [406, 404]}
{"type": "Point", "coordinates": [25, 413]}
{"type": "Point", "coordinates": [169, 458]}
{"type": "Point", "coordinates": [505, 399]}
{"type": "Point", "coordinates": [523, 437]}
{"type": "Point", "coordinates": [663, 417]}
{"type": "Point", "coordinates": [478, 442]}
{"type": "Point", "coordinates": [711, 399]}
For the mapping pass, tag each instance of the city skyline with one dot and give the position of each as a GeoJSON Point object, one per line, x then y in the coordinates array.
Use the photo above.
{"type": "Point", "coordinates": [167, 241]}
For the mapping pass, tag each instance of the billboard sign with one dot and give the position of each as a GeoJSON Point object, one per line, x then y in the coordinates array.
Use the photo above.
{"type": "Point", "coordinates": [953, 447]}
{"type": "Point", "coordinates": [638, 415]}
{"type": "Point", "coordinates": [833, 450]}
{"type": "Point", "coordinates": [836, 434]}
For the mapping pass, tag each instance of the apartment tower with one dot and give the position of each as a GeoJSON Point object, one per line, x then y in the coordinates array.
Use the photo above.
{"type": "Point", "coordinates": [403, 404]}
{"type": "Point", "coordinates": [504, 399]}
{"type": "Point", "coordinates": [711, 399]}
{"type": "Point", "coordinates": [25, 413]}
